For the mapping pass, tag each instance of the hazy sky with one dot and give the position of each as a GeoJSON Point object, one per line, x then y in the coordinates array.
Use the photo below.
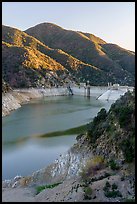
{"type": "Point", "coordinates": [114, 22]}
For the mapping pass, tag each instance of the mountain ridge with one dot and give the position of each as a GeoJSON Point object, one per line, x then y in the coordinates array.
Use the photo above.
{"type": "Point", "coordinates": [83, 56]}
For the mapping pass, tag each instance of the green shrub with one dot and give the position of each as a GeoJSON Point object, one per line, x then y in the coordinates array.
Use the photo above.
{"type": "Point", "coordinates": [125, 115]}
{"type": "Point", "coordinates": [122, 178]}
{"type": "Point", "coordinates": [113, 194]}
{"type": "Point", "coordinates": [108, 184]}
{"type": "Point", "coordinates": [96, 127]}
{"type": "Point", "coordinates": [87, 193]}
{"type": "Point", "coordinates": [88, 190]}
{"type": "Point", "coordinates": [41, 188]}
{"type": "Point", "coordinates": [127, 147]}
{"type": "Point", "coordinates": [114, 186]}
{"type": "Point", "coordinates": [113, 165]}
{"type": "Point", "coordinates": [101, 115]}
{"type": "Point", "coordinates": [129, 200]}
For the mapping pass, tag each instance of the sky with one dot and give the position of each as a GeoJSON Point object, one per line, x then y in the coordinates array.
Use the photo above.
{"type": "Point", "coordinates": [114, 22]}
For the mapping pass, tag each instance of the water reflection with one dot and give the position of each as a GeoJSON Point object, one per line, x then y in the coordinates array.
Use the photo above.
{"type": "Point", "coordinates": [43, 116]}
{"type": "Point", "coordinates": [35, 154]}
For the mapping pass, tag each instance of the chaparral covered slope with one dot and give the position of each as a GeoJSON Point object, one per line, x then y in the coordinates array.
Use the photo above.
{"type": "Point", "coordinates": [48, 55]}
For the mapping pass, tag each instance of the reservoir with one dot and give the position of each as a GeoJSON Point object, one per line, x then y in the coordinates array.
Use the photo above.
{"type": "Point", "coordinates": [34, 135]}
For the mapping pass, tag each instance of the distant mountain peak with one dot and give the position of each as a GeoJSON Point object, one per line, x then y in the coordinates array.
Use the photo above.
{"type": "Point", "coordinates": [69, 54]}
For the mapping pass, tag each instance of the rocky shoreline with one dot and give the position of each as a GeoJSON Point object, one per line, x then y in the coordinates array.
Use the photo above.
{"type": "Point", "coordinates": [66, 171]}
{"type": "Point", "coordinates": [15, 98]}
{"type": "Point", "coordinates": [12, 101]}
{"type": "Point", "coordinates": [107, 184]}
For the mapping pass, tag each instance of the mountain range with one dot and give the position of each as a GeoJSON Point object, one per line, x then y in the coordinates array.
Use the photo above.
{"type": "Point", "coordinates": [47, 55]}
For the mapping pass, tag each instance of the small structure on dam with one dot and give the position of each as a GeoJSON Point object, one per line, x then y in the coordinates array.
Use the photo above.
{"type": "Point", "coordinates": [87, 89]}
{"type": "Point", "coordinates": [70, 90]}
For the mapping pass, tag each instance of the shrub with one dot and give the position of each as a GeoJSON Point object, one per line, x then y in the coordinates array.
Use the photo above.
{"type": "Point", "coordinates": [96, 127]}
{"type": "Point", "coordinates": [113, 165]}
{"type": "Point", "coordinates": [41, 188]}
{"type": "Point", "coordinates": [125, 115]}
{"type": "Point", "coordinates": [106, 187]}
{"type": "Point", "coordinates": [101, 115]}
{"type": "Point", "coordinates": [113, 194]}
{"type": "Point", "coordinates": [129, 200]}
{"type": "Point", "coordinates": [108, 184]}
{"type": "Point", "coordinates": [127, 147]}
{"type": "Point", "coordinates": [88, 190]}
{"type": "Point", "coordinates": [88, 193]}
{"type": "Point", "coordinates": [122, 178]}
{"type": "Point", "coordinates": [114, 186]}
{"type": "Point", "coordinates": [92, 166]}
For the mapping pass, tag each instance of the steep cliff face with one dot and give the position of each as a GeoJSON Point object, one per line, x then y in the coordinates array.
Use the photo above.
{"type": "Point", "coordinates": [112, 134]}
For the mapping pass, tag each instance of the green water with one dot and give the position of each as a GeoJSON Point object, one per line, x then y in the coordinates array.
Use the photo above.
{"type": "Point", "coordinates": [34, 135]}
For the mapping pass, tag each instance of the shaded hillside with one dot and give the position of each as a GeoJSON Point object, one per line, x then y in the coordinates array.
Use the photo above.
{"type": "Point", "coordinates": [87, 48]}
{"type": "Point", "coordinates": [122, 56]}
{"type": "Point", "coordinates": [112, 134]}
{"type": "Point", "coordinates": [58, 56]}
{"type": "Point", "coordinates": [80, 70]}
